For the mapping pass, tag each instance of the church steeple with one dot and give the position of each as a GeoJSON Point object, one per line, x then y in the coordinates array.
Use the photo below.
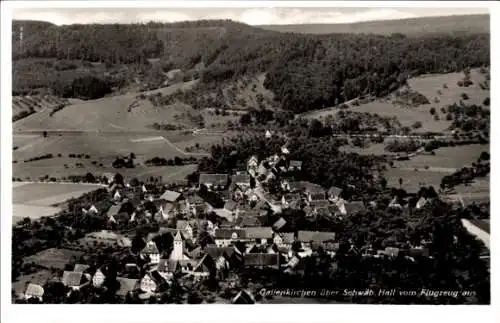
{"type": "Point", "coordinates": [178, 251]}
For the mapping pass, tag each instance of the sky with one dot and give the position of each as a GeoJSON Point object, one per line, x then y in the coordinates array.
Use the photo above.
{"type": "Point", "coordinates": [251, 16]}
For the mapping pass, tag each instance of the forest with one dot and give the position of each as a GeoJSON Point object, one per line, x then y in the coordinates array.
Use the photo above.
{"type": "Point", "coordinates": [305, 72]}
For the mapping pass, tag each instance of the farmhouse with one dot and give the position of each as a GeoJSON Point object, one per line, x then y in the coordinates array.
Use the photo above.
{"type": "Point", "coordinates": [244, 297]}
{"type": "Point", "coordinates": [261, 260]}
{"type": "Point", "coordinates": [334, 193]}
{"type": "Point", "coordinates": [170, 196]}
{"type": "Point", "coordinates": [74, 280]}
{"type": "Point", "coordinates": [284, 239]}
{"type": "Point", "coordinates": [241, 180]}
{"type": "Point", "coordinates": [34, 291]}
{"type": "Point", "coordinates": [151, 282]}
{"type": "Point", "coordinates": [151, 251]}
{"type": "Point", "coordinates": [127, 286]}
{"type": "Point", "coordinates": [216, 182]}
{"type": "Point", "coordinates": [295, 165]}
{"type": "Point", "coordinates": [309, 237]}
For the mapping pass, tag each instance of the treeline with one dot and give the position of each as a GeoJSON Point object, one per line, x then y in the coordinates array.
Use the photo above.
{"type": "Point", "coordinates": [305, 72]}
{"type": "Point", "coordinates": [467, 174]}
{"type": "Point", "coordinates": [177, 161]}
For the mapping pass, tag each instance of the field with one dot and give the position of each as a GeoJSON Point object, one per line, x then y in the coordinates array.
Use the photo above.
{"type": "Point", "coordinates": [427, 85]}
{"type": "Point", "coordinates": [35, 200]}
{"type": "Point", "coordinates": [57, 258]}
{"type": "Point", "coordinates": [447, 158]}
{"type": "Point", "coordinates": [420, 26]}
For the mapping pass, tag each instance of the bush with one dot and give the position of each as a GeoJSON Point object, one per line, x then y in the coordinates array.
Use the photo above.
{"type": "Point", "coordinates": [432, 111]}
{"type": "Point", "coordinates": [417, 125]}
{"type": "Point", "coordinates": [486, 102]}
{"type": "Point", "coordinates": [464, 96]}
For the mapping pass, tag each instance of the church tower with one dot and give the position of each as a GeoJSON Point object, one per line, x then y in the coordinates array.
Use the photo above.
{"type": "Point", "coordinates": [178, 251]}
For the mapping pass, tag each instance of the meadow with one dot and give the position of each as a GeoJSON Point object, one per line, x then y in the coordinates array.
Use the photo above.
{"type": "Point", "coordinates": [427, 85]}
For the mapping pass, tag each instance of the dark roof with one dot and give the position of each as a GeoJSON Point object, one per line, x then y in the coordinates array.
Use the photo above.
{"type": "Point", "coordinates": [292, 197]}
{"type": "Point", "coordinates": [230, 205]}
{"type": "Point", "coordinates": [261, 259]}
{"type": "Point", "coordinates": [240, 178]}
{"type": "Point", "coordinates": [194, 199]}
{"type": "Point", "coordinates": [214, 179]}
{"type": "Point", "coordinates": [327, 246]}
{"type": "Point", "coordinates": [258, 232]}
{"type": "Point", "coordinates": [247, 221]}
{"type": "Point", "coordinates": [334, 191]}
{"type": "Point", "coordinates": [481, 224]}
{"type": "Point", "coordinates": [170, 196]}
{"type": "Point", "coordinates": [315, 236]}
{"type": "Point", "coordinates": [113, 210]}
{"type": "Point", "coordinates": [312, 188]}
{"type": "Point", "coordinates": [320, 203]}
{"type": "Point", "coordinates": [279, 224]}
{"type": "Point", "coordinates": [72, 278]}
{"type": "Point", "coordinates": [81, 268]}
{"type": "Point", "coordinates": [150, 248]}
{"type": "Point", "coordinates": [228, 233]}
{"type": "Point", "coordinates": [127, 285]}
{"type": "Point", "coordinates": [244, 297]}
{"type": "Point", "coordinates": [216, 252]}
{"type": "Point", "coordinates": [288, 237]}
{"type": "Point", "coordinates": [354, 207]}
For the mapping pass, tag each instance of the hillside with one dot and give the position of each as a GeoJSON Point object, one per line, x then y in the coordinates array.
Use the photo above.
{"type": "Point", "coordinates": [305, 72]}
{"type": "Point", "coordinates": [469, 24]}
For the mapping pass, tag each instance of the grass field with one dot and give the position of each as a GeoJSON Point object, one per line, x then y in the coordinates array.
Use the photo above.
{"type": "Point", "coordinates": [110, 114]}
{"type": "Point", "coordinates": [427, 85]}
{"type": "Point", "coordinates": [57, 258]}
{"type": "Point", "coordinates": [449, 158]}
{"type": "Point", "coordinates": [47, 194]}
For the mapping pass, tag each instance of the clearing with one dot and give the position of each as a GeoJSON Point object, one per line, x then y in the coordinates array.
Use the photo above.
{"type": "Point", "coordinates": [427, 85]}
{"type": "Point", "coordinates": [54, 258]}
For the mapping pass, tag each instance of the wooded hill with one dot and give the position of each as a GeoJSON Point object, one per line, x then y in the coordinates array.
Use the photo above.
{"type": "Point", "coordinates": [304, 71]}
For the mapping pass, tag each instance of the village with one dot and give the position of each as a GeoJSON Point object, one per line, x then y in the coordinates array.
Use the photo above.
{"type": "Point", "coordinates": [226, 225]}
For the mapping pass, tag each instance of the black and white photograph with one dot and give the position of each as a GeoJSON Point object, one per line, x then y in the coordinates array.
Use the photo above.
{"type": "Point", "coordinates": [248, 155]}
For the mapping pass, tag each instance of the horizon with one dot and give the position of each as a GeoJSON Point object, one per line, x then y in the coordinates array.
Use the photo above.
{"type": "Point", "coordinates": [250, 16]}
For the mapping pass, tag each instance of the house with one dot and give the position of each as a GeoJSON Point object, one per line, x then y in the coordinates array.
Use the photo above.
{"type": "Point", "coordinates": [34, 291]}
{"type": "Point", "coordinates": [151, 282]}
{"type": "Point", "coordinates": [389, 252]}
{"type": "Point", "coordinates": [98, 278]}
{"type": "Point", "coordinates": [113, 210]}
{"type": "Point", "coordinates": [241, 180]}
{"type": "Point", "coordinates": [421, 202]}
{"type": "Point", "coordinates": [261, 260]}
{"type": "Point", "coordinates": [268, 134]}
{"type": "Point", "coordinates": [395, 203]}
{"type": "Point", "coordinates": [127, 286]}
{"type": "Point", "coordinates": [261, 235]}
{"type": "Point", "coordinates": [334, 193]}
{"type": "Point", "coordinates": [231, 207]}
{"type": "Point", "coordinates": [93, 209]}
{"type": "Point", "coordinates": [315, 192]}
{"type": "Point", "coordinates": [253, 163]}
{"type": "Point", "coordinates": [79, 268]}
{"type": "Point", "coordinates": [244, 297]}
{"type": "Point", "coordinates": [187, 228]}
{"type": "Point", "coordinates": [285, 150]}
{"type": "Point", "coordinates": [167, 211]}
{"type": "Point", "coordinates": [307, 238]}
{"type": "Point", "coordinates": [280, 223]}
{"type": "Point", "coordinates": [121, 217]}
{"type": "Point", "coordinates": [151, 251]}
{"type": "Point", "coordinates": [479, 228]}
{"type": "Point", "coordinates": [117, 196]}
{"type": "Point", "coordinates": [193, 201]}
{"type": "Point", "coordinates": [350, 208]}
{"type": "Point", "coordinates": [74, 280]}
{"type": "Point", "coordinates": [224, 257]}
{"type": "Point", "coordinates": [225, 237]}
{"type": "Point", "coordinates": [290, 199]}
{"type": "Point", "coordinates": [247, 219]}
{"type": "Point", "coordinates": [294, 166]}
{"type": "Point", "coordinates": [170, 196]}
{"type": "Point", "coordinates": [216, 182]}
{"type": "Point", "coordinates": [284, 239]}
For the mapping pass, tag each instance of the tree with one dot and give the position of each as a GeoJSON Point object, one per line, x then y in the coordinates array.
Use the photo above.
{"type": "Point", "coordinates": [118, 179]}
{"type": "Point", "coordinates": [45, 134]}
{"type": "Point", "coordinates": [400, 182]}
{"type": "Point", "coordinates": [432, 111]}
{"type": "Point", "coordinates": [245, 119]}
